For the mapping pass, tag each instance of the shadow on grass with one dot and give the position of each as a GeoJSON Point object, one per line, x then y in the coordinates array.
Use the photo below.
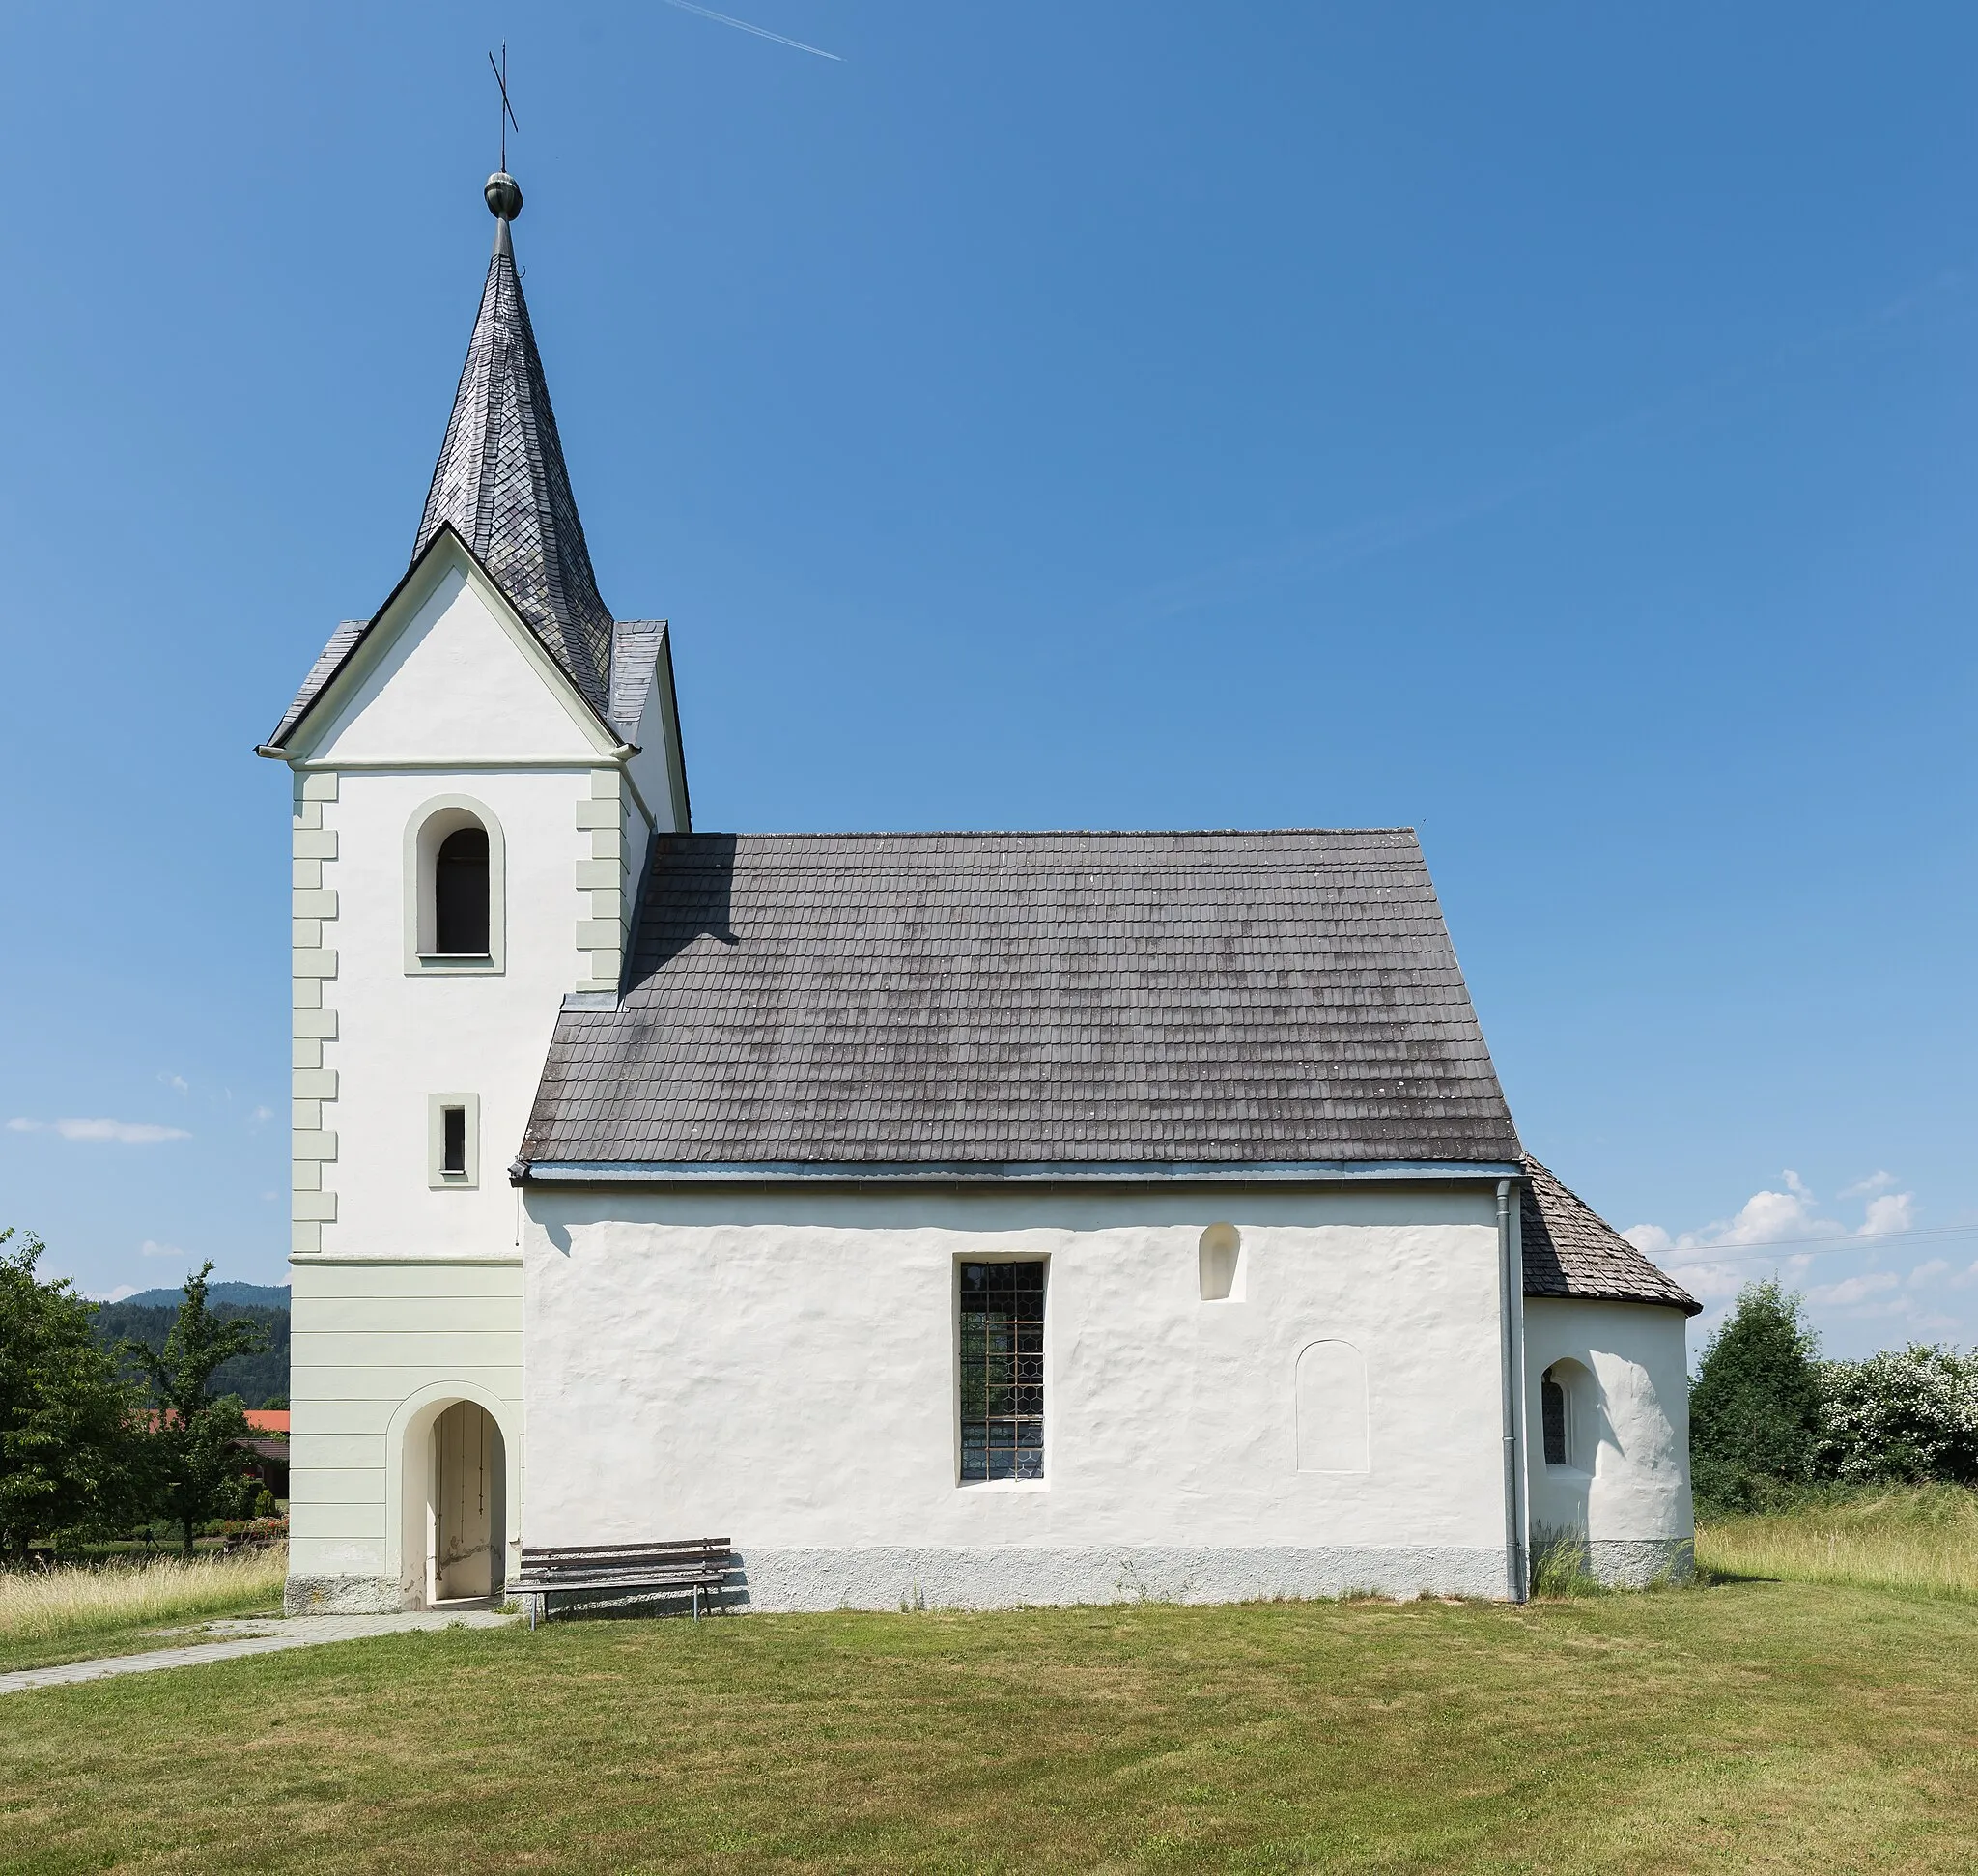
{"type": "Point", "coordinates": [630, 1606]}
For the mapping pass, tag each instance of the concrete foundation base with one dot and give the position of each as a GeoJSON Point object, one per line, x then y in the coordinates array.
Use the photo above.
{"type": "Point", "coordinates": [342, 1596]}
{"type": "Point", "coordinates": [910, 1579]}
{"type": "Point", "coordinates": [885, 1578]}
{"type": "Point", "coordinates": [1635, 1564]}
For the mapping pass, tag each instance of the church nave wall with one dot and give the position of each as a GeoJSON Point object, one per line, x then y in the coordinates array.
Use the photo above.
{"type": "Point", "coordinates": [785, 1369]}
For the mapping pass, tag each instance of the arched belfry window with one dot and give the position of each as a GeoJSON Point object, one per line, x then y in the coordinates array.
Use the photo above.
{"type": "Point", "coordinates": [459, 895]}
{"type": "Point", "coordinates": [454, 889]}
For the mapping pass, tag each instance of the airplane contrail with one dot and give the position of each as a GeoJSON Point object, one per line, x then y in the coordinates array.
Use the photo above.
{"type": "Point", "coordinates": [760, 32]}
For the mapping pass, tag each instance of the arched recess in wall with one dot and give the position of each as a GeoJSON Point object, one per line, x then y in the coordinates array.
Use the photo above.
{"type": "Point", "coordinates": [1332, 1409]}
{"type": "Point", "coordinates": [1569, 1415]}
{"type": "Point", "coordinates": [440, 856]}
{"type": "Point", "coordinates": [1219, 1263]}
{"type": "Point", "coordinates": [411, 1486]}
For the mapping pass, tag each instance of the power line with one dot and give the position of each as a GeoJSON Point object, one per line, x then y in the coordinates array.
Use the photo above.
{"type": "Point", "coordinates": [1737, 1253]}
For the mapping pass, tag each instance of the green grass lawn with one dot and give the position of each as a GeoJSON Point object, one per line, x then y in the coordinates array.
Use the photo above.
{"type": "Point", "coordinates": [1747, 1725]}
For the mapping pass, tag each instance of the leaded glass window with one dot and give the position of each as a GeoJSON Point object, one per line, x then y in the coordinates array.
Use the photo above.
{"type": "Point", "coordinates": [1552, 1413]}
{"type": "Point", "coordinates": [1002, 1371]}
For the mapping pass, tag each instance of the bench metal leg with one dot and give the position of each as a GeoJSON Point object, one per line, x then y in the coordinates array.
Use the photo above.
{"type": "Point", "coordinates": [696, 1602]}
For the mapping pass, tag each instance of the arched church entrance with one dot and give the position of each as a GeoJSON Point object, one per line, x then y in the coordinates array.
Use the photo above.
{"type": "Point", "coordinates": [466, 1513]}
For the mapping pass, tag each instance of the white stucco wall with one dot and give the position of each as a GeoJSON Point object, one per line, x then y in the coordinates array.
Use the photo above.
{"type": "Point", "coordinates": [402, 1037]}
{"type": "Point", "coordinates": [779, 1369]}
{"type": "Point", "coordinates": [450, 686]}
{"type": "Point", "coordinates": [1633, 1504]}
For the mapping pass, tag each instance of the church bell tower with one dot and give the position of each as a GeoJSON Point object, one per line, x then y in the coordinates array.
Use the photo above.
{"type": "Point", "coordinates": [479, 771]}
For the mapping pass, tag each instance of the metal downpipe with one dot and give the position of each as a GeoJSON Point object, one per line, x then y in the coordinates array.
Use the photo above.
{"type": "Point", "coordinates": [1513, 1315]}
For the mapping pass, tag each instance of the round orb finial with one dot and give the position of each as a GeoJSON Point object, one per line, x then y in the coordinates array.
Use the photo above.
{"type": "Point", "coordinates": [504, 195]}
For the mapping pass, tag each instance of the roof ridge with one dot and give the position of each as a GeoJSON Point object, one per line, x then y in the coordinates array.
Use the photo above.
{"type": "Point", "coordinates": [1012, 833]}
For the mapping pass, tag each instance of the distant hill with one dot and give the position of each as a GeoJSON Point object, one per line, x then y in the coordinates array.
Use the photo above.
{"type": "Point", "coordinates": [249, 1295]}
{"type": "Point", "coordinates": [258, 1380]}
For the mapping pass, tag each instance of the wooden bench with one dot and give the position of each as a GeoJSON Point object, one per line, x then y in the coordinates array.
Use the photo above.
{"type": "Point", "coordinates": [698, 1564]}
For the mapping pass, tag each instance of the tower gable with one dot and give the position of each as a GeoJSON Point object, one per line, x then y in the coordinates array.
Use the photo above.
{"type": "Point", "coordinates": [449, 673]}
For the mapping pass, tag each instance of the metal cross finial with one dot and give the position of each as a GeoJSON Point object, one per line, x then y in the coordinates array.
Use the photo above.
{"type": "Point", "coordinates": [507, 120]}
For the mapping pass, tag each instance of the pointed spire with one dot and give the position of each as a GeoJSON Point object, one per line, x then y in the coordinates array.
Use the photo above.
{"type": "Point", "coordinates": [500, 478]}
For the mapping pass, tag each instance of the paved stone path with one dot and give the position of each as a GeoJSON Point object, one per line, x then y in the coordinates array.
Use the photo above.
{"type": "Point", "coordinates": [251, 1638]}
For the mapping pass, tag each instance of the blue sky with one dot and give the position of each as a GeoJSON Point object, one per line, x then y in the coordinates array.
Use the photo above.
{"type": "Point", "coordinates": [1555, 428]}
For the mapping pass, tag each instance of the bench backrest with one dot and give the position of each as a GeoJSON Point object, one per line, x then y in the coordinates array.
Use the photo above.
{"type": "Point", "coordinates": [674, 1553]}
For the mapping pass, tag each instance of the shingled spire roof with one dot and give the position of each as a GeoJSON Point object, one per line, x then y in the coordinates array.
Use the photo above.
{"type": "Point", "coordinates": [501, 482]}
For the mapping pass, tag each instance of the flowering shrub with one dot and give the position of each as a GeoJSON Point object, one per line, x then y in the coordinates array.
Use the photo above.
{"type": "Point", "coordinates": [1904, 1413]}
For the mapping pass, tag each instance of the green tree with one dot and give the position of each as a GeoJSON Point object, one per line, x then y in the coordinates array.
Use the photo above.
{"type": "Point", "coordinates": [192, 1462]}
{"type": "Point", "coordinates": [68, 1418]}
{"type": "Point", "coordinates": [1754, 1407]}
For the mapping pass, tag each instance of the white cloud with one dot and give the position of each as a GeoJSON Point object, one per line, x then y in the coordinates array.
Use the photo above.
{"type": "Point", "coordinates": [1877, 1181]}
{"type": "Point", "coordinates": [262, 1114]}
{"type": "Point", "coordinates": [151, 1247]}
{"type": "Point", "coordinates": [178, 1083]}
{"type": "Point", "coordinates": [1892, 1212]}
{"type": "Point", "coordinates": [115, 1295]}
{"type": "Point", "coordinates": [1788, 1217]}
{"type": "Point", "coordinates": [1766, 1217]}
{"type": "Point", "coordinates": [1769, 1217]}
{"type": "Point", "coordinates": [1707, 1280]}
{"type": "Point", "coordinates": [1854, 1290]}
{"type": "Point", "coordinates": [130, 1133]}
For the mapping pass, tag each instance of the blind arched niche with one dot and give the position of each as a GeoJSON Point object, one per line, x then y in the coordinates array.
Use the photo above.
{"type": "Point", "coordinates": [1332, 1409]}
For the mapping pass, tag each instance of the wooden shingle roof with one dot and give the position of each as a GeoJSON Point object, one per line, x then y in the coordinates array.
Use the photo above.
{"type": "Point", "coordinates": [1218, 999]}
{"type": "Point", "coordinates": [1570, 1251]}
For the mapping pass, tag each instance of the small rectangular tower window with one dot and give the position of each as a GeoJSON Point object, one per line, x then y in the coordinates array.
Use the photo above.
{"type": "Point", "coordinates": [453, 1139]}
{"type": "Point", "coordinates": [1002, 1380]}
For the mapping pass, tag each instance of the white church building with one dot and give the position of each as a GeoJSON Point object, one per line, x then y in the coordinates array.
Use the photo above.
{"type": "Point", "coordinates": [945, 1219]}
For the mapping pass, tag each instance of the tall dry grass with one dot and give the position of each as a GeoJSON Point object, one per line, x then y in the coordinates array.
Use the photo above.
{"type": "Point", "coordinates": [48, 1604]}
{"type": "Point", "coordinates": [1923, 1539]}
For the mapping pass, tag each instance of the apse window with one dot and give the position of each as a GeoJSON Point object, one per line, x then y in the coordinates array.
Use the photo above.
{"type": "Point", "coordinates": [1552, 1410]}
{"type": "Point", "coordinates": [1002, 1379]}
{"type": "Point", "coordinates": [1566, 1414]}
{"type": "Point", "coordinates": [453, 1126]}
